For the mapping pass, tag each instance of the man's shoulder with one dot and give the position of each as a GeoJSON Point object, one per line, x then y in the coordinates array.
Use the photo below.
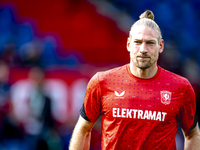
{"type": "Point", "coordinates": [112, 72]}
{"type": "Point", "coordinates": [173, 76]}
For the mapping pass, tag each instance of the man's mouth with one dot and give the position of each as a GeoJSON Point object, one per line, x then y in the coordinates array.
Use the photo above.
{"type": "Point", "coordinates": [143, 57]}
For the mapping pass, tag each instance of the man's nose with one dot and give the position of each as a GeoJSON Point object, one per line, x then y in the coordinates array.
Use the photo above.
{"type": "Point", "coordinates": [143, 48]}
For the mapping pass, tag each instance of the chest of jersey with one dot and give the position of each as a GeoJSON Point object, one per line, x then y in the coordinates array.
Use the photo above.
{"type": "Point", "coordinates": [156, 101]}
{"type": "Point", "coordinates": [136, 112]}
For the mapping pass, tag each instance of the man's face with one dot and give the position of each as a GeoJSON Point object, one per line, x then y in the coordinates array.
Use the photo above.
{"type": "Point", "coordinates": [144, 47]}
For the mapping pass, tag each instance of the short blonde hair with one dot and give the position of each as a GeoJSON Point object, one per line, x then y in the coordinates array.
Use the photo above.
{"type": "Point", "coordinates": [147, 19]}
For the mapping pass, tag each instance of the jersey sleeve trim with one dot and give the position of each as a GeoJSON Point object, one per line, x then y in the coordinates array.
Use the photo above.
{"type": "Point", "coordinates": [83, 114]}
{"type": "Point", "coordinates": [195, 122]}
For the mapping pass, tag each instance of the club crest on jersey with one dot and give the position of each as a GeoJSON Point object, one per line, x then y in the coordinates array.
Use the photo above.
{"type": "Point", "coordinates": [119, 95]}
{"type": "Point", "coordinates": [165, 97]}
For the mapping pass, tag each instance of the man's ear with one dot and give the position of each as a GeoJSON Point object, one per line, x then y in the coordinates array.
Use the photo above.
{"type": "Point", "coordinates": [161, 46]}
{"type": "Point", "coordinates": [128, 44]}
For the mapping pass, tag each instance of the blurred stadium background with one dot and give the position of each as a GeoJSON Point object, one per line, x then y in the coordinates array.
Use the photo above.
{"type": "Point", "coordinates": [49, 49]}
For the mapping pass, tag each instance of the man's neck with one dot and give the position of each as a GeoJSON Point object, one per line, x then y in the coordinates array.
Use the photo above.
{"type": "Point", "coordinates": [144, 73]}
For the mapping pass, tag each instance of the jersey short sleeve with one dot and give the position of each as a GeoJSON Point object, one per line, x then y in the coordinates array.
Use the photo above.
{"type": "Point", "coordinates": [186, 116]}
{"type": "Point", "coordinates": [92, 100]}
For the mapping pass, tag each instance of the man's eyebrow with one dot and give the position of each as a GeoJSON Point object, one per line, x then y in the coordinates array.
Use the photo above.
{"type": "Point", "coordinates": [151, 40]}
{"type": "Point", "coordinates": [137, 39]}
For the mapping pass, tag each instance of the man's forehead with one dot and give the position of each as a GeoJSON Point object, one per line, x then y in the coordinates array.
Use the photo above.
{"type": "Point", "coordinates": [141, 32]}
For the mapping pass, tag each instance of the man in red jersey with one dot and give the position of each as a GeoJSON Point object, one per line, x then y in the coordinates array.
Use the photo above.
{"type": "Point", "coordinates": [140, 104]}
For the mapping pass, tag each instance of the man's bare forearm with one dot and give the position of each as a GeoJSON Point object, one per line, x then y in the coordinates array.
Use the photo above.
{"type": "Point", "coordinates": [80, 141]}
{"type": "Point", "coordinates": [192, 140]}
{"type": "Point", "coordinates": [81, 135]}
{"type": "Point", "coordinates": [193, 143]}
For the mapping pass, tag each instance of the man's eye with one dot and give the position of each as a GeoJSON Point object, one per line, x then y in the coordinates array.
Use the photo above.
{"type": "Point", "coordinates": [150, 42]}
{"type": "Point", "coordinates": [137, 42]}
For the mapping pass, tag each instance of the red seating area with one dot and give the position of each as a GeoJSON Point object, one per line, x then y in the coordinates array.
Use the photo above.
{"type": "Point", "coordinates": [77, 26]}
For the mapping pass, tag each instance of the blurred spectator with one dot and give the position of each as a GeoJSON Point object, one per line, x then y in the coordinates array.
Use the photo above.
{"type": "Point", "coordinates": [10, 135]}
{"type": "Point", "coordinates": [32, 109]}
{"type": "Point", "coordinates": [4, 84]}
{"type": "Point", "coordinates": [30, 53]}
{"type": "Point", "coordinates": [9, 55]}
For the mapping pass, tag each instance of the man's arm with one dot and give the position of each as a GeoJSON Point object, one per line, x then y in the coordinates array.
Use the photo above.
{"type": "Point", "coordinates": [81, 135]}
{"type": "Point", "coordinates": [192, 139]}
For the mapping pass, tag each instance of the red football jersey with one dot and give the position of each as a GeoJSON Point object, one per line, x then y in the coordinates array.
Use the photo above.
{"type": "Point", "coordinates": [139, 114]}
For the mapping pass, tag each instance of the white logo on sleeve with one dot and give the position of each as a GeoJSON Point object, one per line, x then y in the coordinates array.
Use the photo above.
{"type": "Point", "coordinates": [165, 97]}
